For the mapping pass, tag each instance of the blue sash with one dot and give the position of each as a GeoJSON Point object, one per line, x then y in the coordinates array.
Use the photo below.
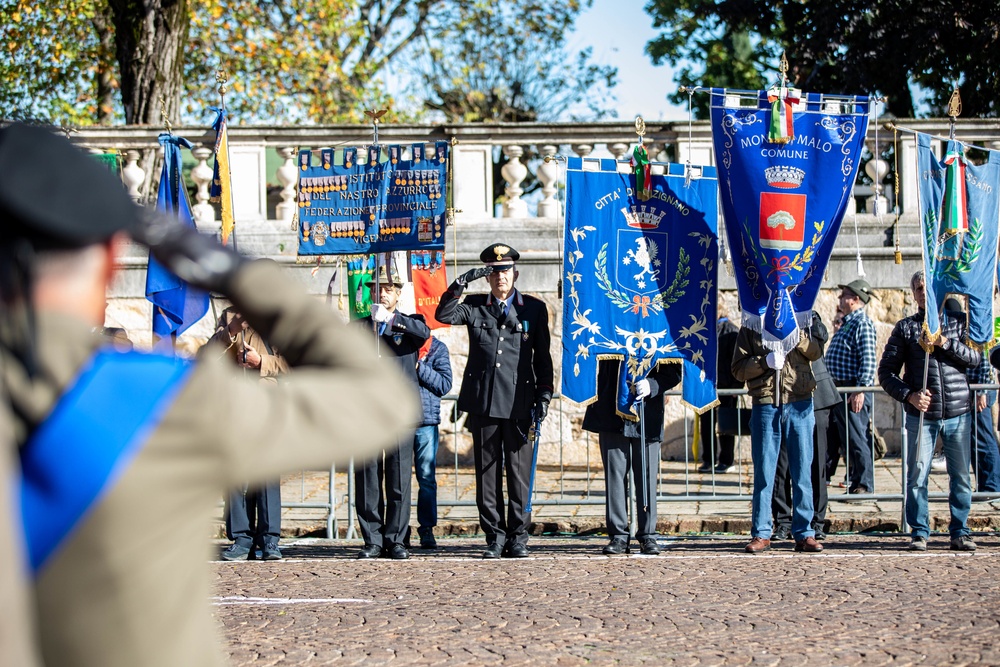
{"type": "Point", "coordinates": [89, 440]}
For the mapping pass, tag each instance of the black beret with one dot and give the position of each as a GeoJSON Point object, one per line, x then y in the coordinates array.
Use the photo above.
{"type": "Point", "coordinates": [56, 195]}
{"type": "Point", "coordinates": [499, 254]}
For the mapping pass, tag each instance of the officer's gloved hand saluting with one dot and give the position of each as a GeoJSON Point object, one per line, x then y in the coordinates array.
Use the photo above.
{"type": "Point", "coordinates": [195, 258]}
{"type": "Point", "coordinates": [474, 274]}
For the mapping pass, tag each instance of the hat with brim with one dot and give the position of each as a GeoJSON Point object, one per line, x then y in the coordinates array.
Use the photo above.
{"type": "Point", "coordinates": [861, 289]}
{"type": "Point", "coordinates": [384, 279]}
{"type": "Point", "coordinates": [499, 255]}
{"type": "Point", "coordinates": [55, 195]}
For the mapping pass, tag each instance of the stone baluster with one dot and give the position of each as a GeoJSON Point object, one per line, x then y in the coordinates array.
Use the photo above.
{"type": "Point", "coordinates": [583, 150]}
{"type": "Point", "coordinates": [203, 212]}
{"type": "Point", "coordinates": [133, 175]}
{"type": "Point", "coordinates": [514, 173]}
{"type": "Point", "coordinates": [877, 168]}
{"type": "Point", "coordinates": [618, 150]}
{"type": "Point", "coordinates": [288, 176]}
{"type": "Point", "coordinates": [548, 175]}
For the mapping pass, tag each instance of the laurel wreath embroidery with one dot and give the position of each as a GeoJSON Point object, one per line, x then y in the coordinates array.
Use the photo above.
{"type": "Point", "coordinates": [581, 321]}
{"type": "Point", "coordinates": [781, 264]}
{"type": "Point", "coordinates": [971, 247]}
{"type": "Point", "coordinates": [657, 303]}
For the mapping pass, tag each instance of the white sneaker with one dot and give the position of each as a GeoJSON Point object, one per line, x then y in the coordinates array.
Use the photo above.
{"type": "Point", "coordinates": [939, 464]}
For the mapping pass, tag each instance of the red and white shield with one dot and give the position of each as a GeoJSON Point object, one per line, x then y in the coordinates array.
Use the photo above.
{"type": "Point", "coordinates": [782, 220]}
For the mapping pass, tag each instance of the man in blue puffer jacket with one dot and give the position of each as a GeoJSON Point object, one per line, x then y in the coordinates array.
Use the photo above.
{"type": "Point", "coordinates": [434, 373]}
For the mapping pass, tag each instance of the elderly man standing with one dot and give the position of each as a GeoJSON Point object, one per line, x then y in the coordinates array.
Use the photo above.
{"type": "Point", "coordinates": [945, 407]}
{"type": "Point", "coordinates": [385, 520]}
{"type": "Point", "coordinates": [781, 388]}
{"type": "Point", "coordinates": [507, 381]}
{"type": "Point", "coordinates": [851, 361]}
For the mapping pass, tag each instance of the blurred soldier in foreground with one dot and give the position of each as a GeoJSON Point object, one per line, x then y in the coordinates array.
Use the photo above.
{"type": "Point", "coordinates": [111, 440]}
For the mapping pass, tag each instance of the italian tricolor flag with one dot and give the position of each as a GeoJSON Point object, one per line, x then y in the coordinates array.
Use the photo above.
{"type": "Point", "coordinates": [782, 128]}
{"type": "Point", "coordinates": [955, 213]}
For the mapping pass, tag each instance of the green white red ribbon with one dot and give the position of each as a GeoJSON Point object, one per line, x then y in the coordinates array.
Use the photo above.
{"type": "Point", "coordinates": [643, 173]}
{"type": "Point", "coordinates": [955, 213]}
{"type": "Point", "coordinates": [781, 129]}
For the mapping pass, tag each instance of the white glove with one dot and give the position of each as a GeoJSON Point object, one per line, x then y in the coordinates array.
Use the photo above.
{"type": "Point", "coordinates": [642, 389]}
{"type": "Point", "coordinates": [380, 313]}
{"type": "Point", "coordinates": [775, 360]}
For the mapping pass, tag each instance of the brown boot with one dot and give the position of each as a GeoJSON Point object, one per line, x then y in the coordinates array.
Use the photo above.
{"type": "Point", "coordinates": [808, 545]}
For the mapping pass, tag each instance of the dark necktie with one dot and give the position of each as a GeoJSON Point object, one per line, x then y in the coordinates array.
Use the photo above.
{"type": "Point", "coordinates": [502, 307]}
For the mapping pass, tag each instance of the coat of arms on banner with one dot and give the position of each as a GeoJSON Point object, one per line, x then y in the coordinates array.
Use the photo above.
{"type": "Point", "coordinates": [640, 279]}
{"type": "Point", "coordinates": [787, 163]}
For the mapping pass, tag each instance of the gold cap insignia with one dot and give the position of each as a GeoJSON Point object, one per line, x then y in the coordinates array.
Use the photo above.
{"type": "Point", "coordinates": [500, 251]}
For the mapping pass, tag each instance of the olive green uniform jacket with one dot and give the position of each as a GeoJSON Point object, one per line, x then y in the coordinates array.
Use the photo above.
{"type": "Point", "coordinates": [796, 377]}
{"type": "Point", "coordinates": [120, 594]}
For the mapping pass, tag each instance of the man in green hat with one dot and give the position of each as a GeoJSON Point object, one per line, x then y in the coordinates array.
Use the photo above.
{"type": "Point", "coordinates": [112, 441]}
{"type": "Point", "coordinates": [851, 360]}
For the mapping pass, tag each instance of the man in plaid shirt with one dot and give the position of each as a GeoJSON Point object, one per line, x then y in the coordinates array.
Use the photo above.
{"type": "Point", "coordinates": [850, 358]}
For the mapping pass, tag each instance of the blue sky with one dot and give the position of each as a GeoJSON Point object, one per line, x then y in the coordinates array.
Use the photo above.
{"type": "Point", "coordinates": [618, 31]}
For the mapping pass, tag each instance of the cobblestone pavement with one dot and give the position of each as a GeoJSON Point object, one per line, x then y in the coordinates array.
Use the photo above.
{"type": "Point", "coordinates": [865, 601]}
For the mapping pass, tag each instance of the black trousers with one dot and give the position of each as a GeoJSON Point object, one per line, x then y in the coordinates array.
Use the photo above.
{"type": "Point", "coordinates": [620, 453]}
{"type": "Point", "coordinates": [384, 520]}
{"type": "Point", "coordinates": [253, 514]}
{"type": "Point", "coordinates": [498, 444]}
{"type": "Point", "coordinates": [851, 433]}
{"type": "Point", "coordinates": [781, 500]}
{"type": "Point", "coordinates": [726, 443]}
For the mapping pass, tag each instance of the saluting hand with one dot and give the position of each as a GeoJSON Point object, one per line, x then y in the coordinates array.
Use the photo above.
{"type": "Point", "coordinates": [474, 274]}
{"type": "Point", "coordinates": [380, 313]}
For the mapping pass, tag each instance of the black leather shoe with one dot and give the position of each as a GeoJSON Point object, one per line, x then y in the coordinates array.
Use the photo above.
{"type": "Point", "coordinates": [650, 547]}
{"type": "Point", "coordinates": [492, 551]}
{"type": "Point", "coordinates": [615, 547]}
{"type": "Point", "coordinates": [516, 550]}
{"type": "Point", "coordinates": [781, 533]}
{"type": "Point", "coordinates": [397, 552]}
{"type": "Point", "coordinates": [370, 551]}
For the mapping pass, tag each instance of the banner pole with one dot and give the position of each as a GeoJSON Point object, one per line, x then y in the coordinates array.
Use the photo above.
{"type": "Point", "coordinates": [642, 455]}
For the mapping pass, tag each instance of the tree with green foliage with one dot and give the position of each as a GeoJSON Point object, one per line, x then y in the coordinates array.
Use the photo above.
{"type": "Point", "coordinates": [80, 62]}
{"type": "Point", "coordinates": [837, 46]}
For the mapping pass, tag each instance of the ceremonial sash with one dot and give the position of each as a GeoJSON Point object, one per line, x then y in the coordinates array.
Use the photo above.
{"type": "Point", "coordinates": [91, 436]}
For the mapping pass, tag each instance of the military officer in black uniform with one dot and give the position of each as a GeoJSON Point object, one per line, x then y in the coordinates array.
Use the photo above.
{"type": "Point", "coordinates": [384, 521]}
{"type": "Point", "coordinates": [507, 380]}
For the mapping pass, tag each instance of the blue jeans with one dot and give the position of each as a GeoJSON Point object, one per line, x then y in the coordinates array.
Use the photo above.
{"type": "Point", "coordinates": [770, 426]}
{"type": "Point", "coordinates": [425, 450]}
{"type": "Point", "coordinates": [955, 440]}
{"type": "Point", "coordinates": [985, 447]}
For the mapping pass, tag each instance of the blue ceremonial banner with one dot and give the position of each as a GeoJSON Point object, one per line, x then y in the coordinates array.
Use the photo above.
{"type": "Point", "coordinates": [176, 305]}
{"type": "Point", "coordinates": [785, 184]}
{"type": "Point", "coordinates": [640, 278]}
{"type": "Point", "coordinates": [960, 214]}
{"type": "Point", "coordinates": [367, 204]}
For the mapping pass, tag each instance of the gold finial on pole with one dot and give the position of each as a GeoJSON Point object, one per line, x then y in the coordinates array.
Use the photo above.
{"type": "Point", "coordinates": [163, 115]}
{"type": "Point", "coordinates": [640, 128]}
{"type": "Point", "coordinates": [954, 111]}
{"type": "Point", "coordinates": [783, 69]}
{"type": "Point", "coordinates": [221, 78]}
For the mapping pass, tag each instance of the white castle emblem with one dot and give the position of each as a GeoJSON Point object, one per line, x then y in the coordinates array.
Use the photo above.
{"type": "Point", "coordinates": [784, 177]}
{"type": "Point", "coordinates": [640, 218]}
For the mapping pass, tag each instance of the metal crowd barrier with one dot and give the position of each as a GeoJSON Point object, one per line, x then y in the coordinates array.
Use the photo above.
{"type": "Point", "coordinates": [340, 502]}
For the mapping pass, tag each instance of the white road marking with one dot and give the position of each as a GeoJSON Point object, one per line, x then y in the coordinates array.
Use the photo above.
{"type": "Point", "coordinates": [240, 599]}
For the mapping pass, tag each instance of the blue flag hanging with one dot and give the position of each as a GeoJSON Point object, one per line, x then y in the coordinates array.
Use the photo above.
{"type": "Point", "coordinates": [176, 306]}
{"type": "Point", "coordinates": [367, 205]}
{"type": "Point", "coordinates": [959, 214]}
{"type": "Point", "coordinates": [787, 164]}
{"type": "Point", "coordinates": [640, 276]}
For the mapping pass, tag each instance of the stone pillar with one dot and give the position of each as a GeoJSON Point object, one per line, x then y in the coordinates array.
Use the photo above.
{"type": "Point", "coordinates": [203, 212]}
{"type": "Point", "coordinates": [288, 176]}
{"type": "Point", "coordinates": [514, 173]}
{"type": "Point", "coordinates": [133, 175]}
{"type": "Point", "coordinates": [548, 175]}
